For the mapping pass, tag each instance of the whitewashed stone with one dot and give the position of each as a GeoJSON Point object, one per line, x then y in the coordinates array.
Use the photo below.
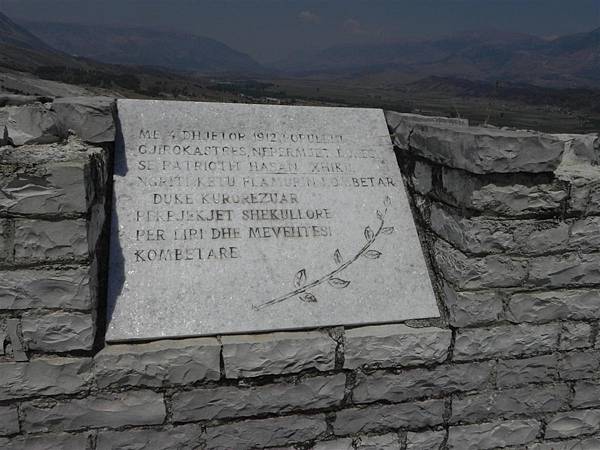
{"type": "Point", "coordinates": [426, 440]}
{"type": "Point", "coordinates": [477, 149]}
{"type": "Point", "coordinates": [538, 369]}
{"type": "Point", "coordinates": [385, 442]}
{"type": "Point", "coordinates": [28, 124]}
{"type": "Point", "coordinates": [90, 118]}
{"type": "Point", "coordinates": [395, 345]}
{"type": "Point", "coordinates": [58, 331]}
{"type": "Point", "coordinates": [159, 363]}
{"type": "Point", "coordinates": [233, 401]}
{"type": "Point", "coordinates": [25, 289]}
{"type": "Point", "coordinates": [552, 305]}
{"type": "Point", "coordinates": [398, 387]}
{"type": "Point", "coordinates": [185, 437]}
{"type": "Point", "coordinates": [47, 179]}
{"type": "Point", "coordinates": [44, 376]}
{"type": "Point", "coordinates": [573, 423]}
{"type": "Point", "coordinates": [510, 402]}
{"type": "Point", "coordinates": [9, 420]}
{"type": "Point", "coordinates": [103, 410]}
{"type": "Point", "coordinates": [265, 433]}
{"type": "Point", "coordinates": [505, 340]}
{"type": "Point", "coordinates": [41, 240]}
{"type": "Point", "coordinates": [492, 435]}
{"type": "Point", "coordinates": [62, 441]}
{"type": "Point", "coordinates": [312, 204]}
{"type": "Point", "coordinates": [276, 353]}
{"type": "Point", "coordinates": [336, 444]}
{"type": "Point", "coordinates": [402, 415]}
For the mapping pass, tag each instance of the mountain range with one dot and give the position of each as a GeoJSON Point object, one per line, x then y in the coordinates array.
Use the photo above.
{"type": "Point", "coordinates": [488, 55]}
{"type": "Point", "coordinates": [144, 47]}
{"type": "Point", "coordinates": [485, 55]}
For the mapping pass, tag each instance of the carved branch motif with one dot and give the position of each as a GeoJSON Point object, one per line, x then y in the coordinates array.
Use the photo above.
{"type": "Point", "coordinates": [303, 288]}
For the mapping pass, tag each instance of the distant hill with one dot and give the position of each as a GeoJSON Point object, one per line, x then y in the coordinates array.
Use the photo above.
{"type": "Point", "coordinates": [478, 55]}
{"type": "Point", "coordinates": [144, 47]}
{"type": "Point", "coordinates": [21, 50]}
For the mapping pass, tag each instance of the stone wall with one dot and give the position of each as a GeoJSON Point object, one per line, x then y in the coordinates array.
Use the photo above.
{"type": "Point", "coordinates": [509, 221]}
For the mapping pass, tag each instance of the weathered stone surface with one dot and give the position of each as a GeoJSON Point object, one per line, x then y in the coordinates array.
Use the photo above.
{"type": "Point", "coordinates": [58, 331]}
{"type": "Point", "coordinates": [573, 423]}
{"type": "Point", "coordinates": [492, 435]}
{"type": "Point", "coordinates": [44, 376]}
{"type": "Point", "coordinates": [531, 237]}
{"type": "Point", "coordinates": [402, 415]}
{"type": "Point", "coordinates": [479, 272]}
{"type": "Point", "coordinates": [6, 249]}
{"type": "Point", "coordinates": [336, 444]}
{"type": "Point", "coordinates": [587, 394]}
{"type": "Point", "coordinates": [430, 440]}
{"type": "Point", "coordinates": [46, 179]}
{"type": "Point", "coordinates": [590, 443]}
{"type": "Point", "coordinates": [90, 118]}
{"type": "Point", "coordinates": [233, 401]}
{"type": "Point", "coordinates": [25, 289]}
{"type": "Point", "coordinates": [185, 437]}
{"type": "Point", "coordinates": [511, 199]}
{"type": "Point", "coordinates": [477, 149]}
{"type": "Point", "coordinates": [565, 270]}
{"type": "Point", "coordinates": [584, 235]}
{"type": "Point", "coordinates": [575, 335]}
{"type": "Point", "coordinates": [265, 432]}
{"type": "Point", "coordinates": [539, 369]}
{"type": "Point", "coordinates": [28, 124]}
{"type": "Point", "coordinates": [579, 365]}
{"type": "Point", "coordinates": [510, 402]}
{"type": "Point", "coordinates": [159, 363]}
{"type": "Point", "coordinates": [62, 441]}
{"type": "Point", "coordinates": [472, 308]}
{"type": "Point", "coordinates": [552, 305]}
{"type": "Point", "coordinates": [41, 240]}
{"type": "Point", "coordinates": [422, 178]}
{"type": "Point", "coordinates": [384, 442]}
{"type": "Point", "coordinates": [103, 410]}
{"type": "Point", "coordinates": [420, 382]}
{"type": "Point", "coordinates": [255, 355]}
{"type": "Point", "coordinates": [505, 340]}
{"type": "Point", "coordinates": [18, 100]}
{"type": "Point", "coordinates": [9, 420]}
{"type": "Point", "coordinates": [401, 124]}
{"type": "Point", "coordinates": [395, 345]}
{"type": "Point", "coordinates": [367, 270]}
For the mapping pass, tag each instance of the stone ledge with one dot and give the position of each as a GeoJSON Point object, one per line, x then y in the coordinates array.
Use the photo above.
{"type": "Point", "coordinates": [454, 143]}
{"type": "Point", "coordinates": [395, 345]}
{"type": "Point", "coordinates": [277, 353]}
{"type": "Point", "coordinates": [159, 363]}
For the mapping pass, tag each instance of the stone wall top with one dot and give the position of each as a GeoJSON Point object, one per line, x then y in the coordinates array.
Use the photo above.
{"type": "Point", "coordinates": [487, 149]}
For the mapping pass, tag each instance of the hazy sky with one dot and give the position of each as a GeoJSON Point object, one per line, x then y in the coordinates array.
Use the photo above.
{"type": "Point", "coordinates": [270, 29]}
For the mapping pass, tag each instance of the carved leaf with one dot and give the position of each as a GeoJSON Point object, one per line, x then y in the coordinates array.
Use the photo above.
{"type": "Point", "coordinates": [387, 201]}
{"type": "Point", "coordinates": [338, 283]}
{"type": "Point", "coordinates": [300, 278]}
{"type": "Point", "coordinates": [368, 233]}
{"type": "Point", "coordinates": [337, 256]}
{"type": "Point", "coordinates": [308, 298]}
{"type": "Point", "coordinates": [387, 230]}
{"type": "Point", "coordinates": [379, 215]}
{"type": "Point", "coordinates": [372, 254]}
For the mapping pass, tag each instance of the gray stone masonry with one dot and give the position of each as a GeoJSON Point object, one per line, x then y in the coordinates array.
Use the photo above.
{"type": "Point", "coordinates": [510, 223]}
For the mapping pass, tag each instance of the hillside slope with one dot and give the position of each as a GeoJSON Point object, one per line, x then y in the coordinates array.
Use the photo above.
{"type": "Point", "coordinates": [144, 47]}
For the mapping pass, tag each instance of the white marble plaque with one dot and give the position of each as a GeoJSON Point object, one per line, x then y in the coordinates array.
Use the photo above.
{"type": "Point", "coordinates": [231, 218]}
